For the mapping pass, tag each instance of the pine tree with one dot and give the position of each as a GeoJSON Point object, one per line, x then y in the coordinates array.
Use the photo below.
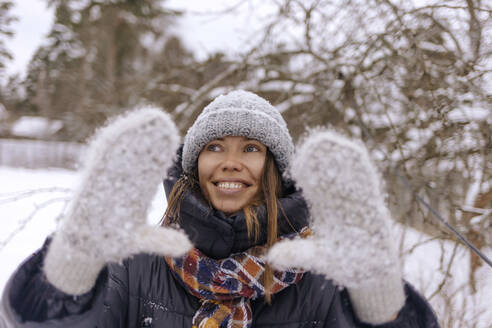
{"type": "Point", "coordinates": [95, 62]}
{"type": "Point", "coordinates": [6, 19]}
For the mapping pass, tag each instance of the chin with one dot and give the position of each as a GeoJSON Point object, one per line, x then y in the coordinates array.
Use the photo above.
{"type": "Point", "coordinates": [230, 204]}
{"type": "Point", "coordinates": [228, 208]}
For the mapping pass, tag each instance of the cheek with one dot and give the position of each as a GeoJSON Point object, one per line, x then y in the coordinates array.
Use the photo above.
{"type": "Point", "coordinates": [203, 168]}
{"type": "Point", "coordinates": [257, 169]}
{"type": "Point", "coordinates": [203, 175]}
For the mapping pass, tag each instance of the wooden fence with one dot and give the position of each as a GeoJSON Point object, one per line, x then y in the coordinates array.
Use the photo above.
{"type": "Point", "coordinates": [39, 154]}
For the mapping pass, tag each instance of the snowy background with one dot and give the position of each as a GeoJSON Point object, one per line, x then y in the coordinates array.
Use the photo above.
{"type": "Point", "coordinates": [202, 30]}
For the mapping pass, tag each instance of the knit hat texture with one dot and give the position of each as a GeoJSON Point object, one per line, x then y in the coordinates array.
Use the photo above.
{"type": "Point", "coordinates": [239, 113]}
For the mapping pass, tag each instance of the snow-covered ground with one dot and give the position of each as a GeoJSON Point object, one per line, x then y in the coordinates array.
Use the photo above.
{"type": "Point", "coordinates": [31, 201]}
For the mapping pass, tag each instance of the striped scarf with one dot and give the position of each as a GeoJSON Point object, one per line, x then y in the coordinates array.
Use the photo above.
{"type": "Point", "coordinates": [225, 287]}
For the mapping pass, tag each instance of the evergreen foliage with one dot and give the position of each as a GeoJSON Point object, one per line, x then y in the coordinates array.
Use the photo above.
{"type": "Point", "coordinates": [96, 61]}
{"type": "Point", "coordinates": [6, 19]}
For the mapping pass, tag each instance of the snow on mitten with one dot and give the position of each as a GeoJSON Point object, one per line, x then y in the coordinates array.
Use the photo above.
{"type": "Point", "coordinates": [106, 219]}
{"type": "Point", "coordinates": [351, 243]}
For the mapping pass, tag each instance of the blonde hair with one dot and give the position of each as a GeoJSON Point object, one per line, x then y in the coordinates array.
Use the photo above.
{"type": "Point", "coordinates": [271, 190]}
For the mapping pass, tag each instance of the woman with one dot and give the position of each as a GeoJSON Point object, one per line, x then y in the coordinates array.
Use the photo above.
{"type": "Point", "coordinates": [228, 192]}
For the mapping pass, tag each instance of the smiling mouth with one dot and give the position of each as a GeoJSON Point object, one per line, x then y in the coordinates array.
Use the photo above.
{"type": "Point", "coordinates": [232, 186]}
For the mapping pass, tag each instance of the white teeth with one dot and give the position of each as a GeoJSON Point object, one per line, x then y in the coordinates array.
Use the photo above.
{"type": "Point", "coordinates": [230, 185]}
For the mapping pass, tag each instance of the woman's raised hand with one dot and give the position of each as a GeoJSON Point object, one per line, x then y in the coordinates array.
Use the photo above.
{"type": "Point", "coordinates": [351, 243]}
{"type": "Point", "coordinates": [106, 219]}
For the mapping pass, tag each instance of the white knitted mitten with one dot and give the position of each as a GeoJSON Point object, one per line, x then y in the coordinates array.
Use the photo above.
{"type": "Point", "coordinates": [106, 219]}
{"type": "Point", "coordinates": [351, 243]}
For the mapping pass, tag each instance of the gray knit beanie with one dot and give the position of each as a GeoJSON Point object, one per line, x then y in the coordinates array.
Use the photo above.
{"type": "Point", "coordinates": [239, 113]}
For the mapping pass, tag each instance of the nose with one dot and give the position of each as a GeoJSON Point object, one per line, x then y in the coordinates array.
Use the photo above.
{"type": "Point", "coordinates": [231, 162]}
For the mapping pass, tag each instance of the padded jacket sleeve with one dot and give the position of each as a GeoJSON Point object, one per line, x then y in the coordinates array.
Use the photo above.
{"type": "Point", "coordinates": [30, 301]}
{"type": "Point", "coordinates": [416, 313]}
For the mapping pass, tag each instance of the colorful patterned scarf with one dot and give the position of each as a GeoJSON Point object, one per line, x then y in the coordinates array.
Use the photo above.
{"type": "Point", "coordinates": [225, 287]}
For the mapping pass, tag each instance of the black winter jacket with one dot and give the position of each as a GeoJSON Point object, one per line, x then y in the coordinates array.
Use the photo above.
{"type": "Point", "coordinates": [142, 292]}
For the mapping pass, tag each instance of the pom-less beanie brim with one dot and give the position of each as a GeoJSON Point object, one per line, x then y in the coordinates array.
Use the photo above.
{"type": "Point", "coordinates": [243, 114]}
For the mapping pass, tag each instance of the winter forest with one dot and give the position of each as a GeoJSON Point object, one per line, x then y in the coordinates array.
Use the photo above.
{"type": "Point", "coordinates": [411, 78]}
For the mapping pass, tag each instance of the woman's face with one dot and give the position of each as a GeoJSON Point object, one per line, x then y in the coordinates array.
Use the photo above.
{"type": "Point", "coordinates": [230, 170]}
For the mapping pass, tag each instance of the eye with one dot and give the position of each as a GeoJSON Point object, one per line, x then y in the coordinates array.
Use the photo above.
{"type": "Point", "coordinates": [213, 147]}
{"type": "Point", "coordinates": [251, 148]}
